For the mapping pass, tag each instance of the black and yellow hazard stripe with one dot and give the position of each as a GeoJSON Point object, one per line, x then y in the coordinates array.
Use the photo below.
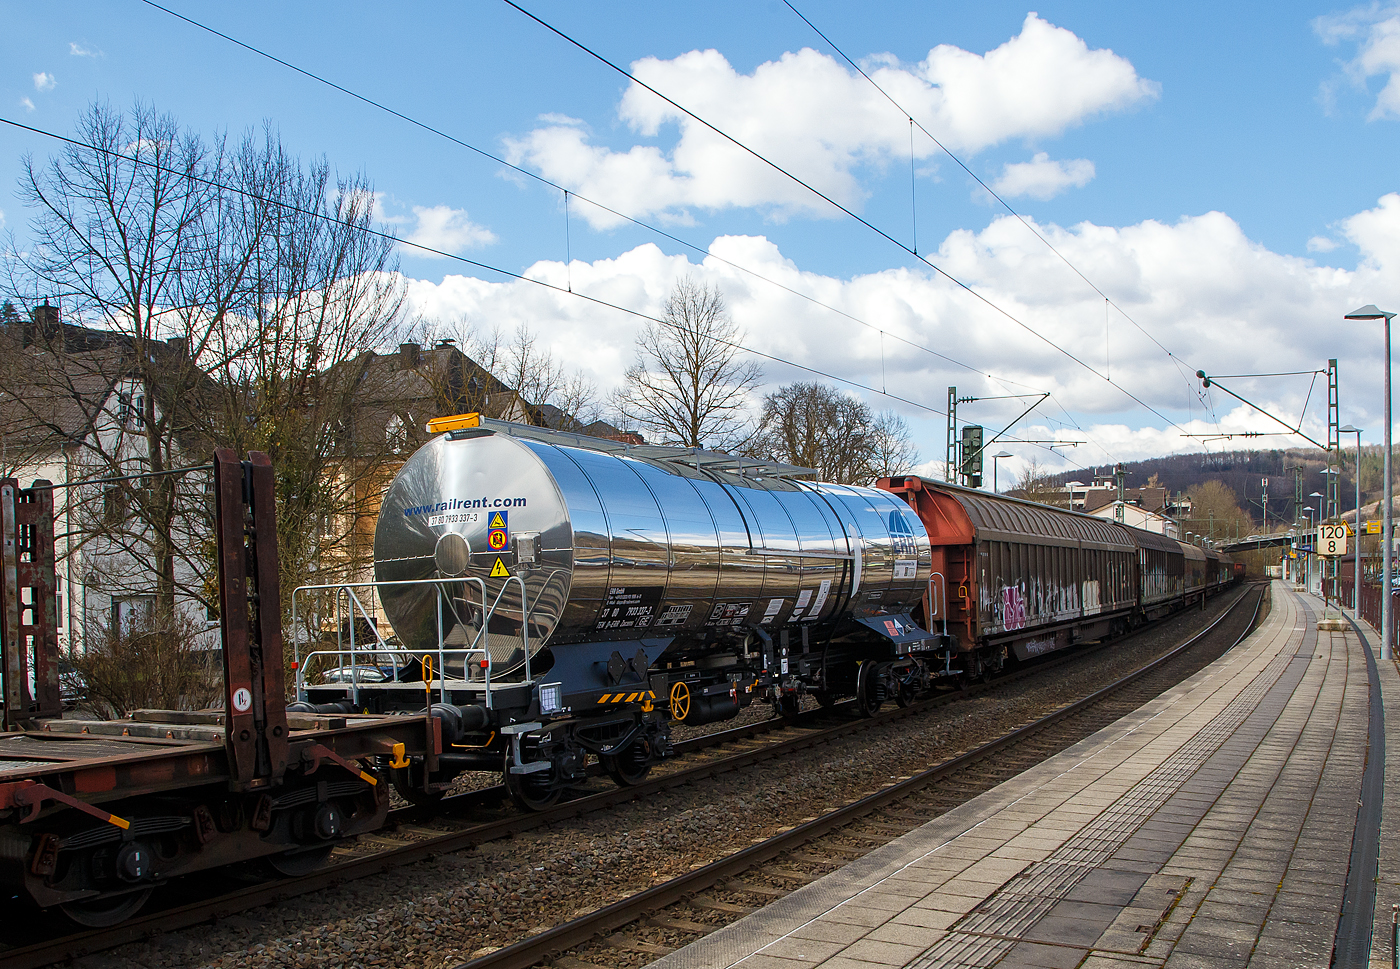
{"type": "Point", "coordinates": [625, 697]}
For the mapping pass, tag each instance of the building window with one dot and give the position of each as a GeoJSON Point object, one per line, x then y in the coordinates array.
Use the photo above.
{"type": "Point", "coordinates": [396, 434]}
{"type": "Point", "coordinates": [132, 613]}
{"type": "Point", "coordinates": [131, 411]}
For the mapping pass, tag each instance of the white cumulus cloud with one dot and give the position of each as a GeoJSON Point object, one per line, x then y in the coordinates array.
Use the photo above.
{"type": "Point", "coordinates": [811, 115]}
{"type": "Point", "coordinates": [27, 104]}
{"type": "Point", "coordinates": [44, 81]}
{"type": "Point", "coordinates": [1376, 31]}
{"type": "Point", "coordinates": [447, 229]}
{"type": "Point", "coordinates": [82, 50]}
{"type": "Point", "coordinates": [1218, 299]}
{"type": "Point", "coordinates": [1041, 178]}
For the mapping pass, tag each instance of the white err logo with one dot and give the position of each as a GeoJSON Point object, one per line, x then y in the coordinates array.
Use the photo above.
{"type": "Point", "coordinates": [242, 699]}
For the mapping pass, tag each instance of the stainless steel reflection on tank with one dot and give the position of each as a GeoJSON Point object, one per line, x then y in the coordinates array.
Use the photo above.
{"type": "Point", "coordinates": [620, 544]}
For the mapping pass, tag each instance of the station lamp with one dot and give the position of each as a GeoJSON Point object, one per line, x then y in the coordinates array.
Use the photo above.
{"type": "Point", "coordinates": [1356, 547]}
{"type": "Point", "coordinates": [1371, 312]}
{"type": "Point", "coordinates": [995, 459]}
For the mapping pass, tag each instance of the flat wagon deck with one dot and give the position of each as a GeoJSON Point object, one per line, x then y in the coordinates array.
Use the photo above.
{"type": "Point", "coordinates": [95, 814]}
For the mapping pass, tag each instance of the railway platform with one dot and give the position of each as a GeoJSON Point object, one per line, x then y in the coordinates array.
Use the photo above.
{"type": "Point", "coordinates": [1214, 827]}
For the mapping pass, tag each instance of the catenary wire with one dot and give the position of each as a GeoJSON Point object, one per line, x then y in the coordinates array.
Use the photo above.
{"type": "Point", "coordinates": [136, 159]}
{"type": "Point", "coordinates": [829, 200]}
{"type": "Point", "coordinates": [1004, 381]}
{"type": "Point", "coordinates": [568, 192]}
{"type": "Point", "coordinates": [990, 191]}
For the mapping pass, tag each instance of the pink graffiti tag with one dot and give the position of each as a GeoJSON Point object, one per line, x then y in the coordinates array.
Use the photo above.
{"type": "Point", "coordinates": [1013, 608]}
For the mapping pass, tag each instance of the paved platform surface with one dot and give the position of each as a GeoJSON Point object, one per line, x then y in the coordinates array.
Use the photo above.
{"type": "Point", "coordinates": [1211, 828]}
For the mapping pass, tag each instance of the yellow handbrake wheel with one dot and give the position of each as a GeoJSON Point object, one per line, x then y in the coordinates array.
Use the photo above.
{"type": "Point", "coordinates": [680, 701]}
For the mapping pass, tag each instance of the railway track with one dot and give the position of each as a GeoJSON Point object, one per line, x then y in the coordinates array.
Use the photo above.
{"type": "Point", "coordinates": [705, 899]}
{"type": "Point", "coordinates": [477, 817]}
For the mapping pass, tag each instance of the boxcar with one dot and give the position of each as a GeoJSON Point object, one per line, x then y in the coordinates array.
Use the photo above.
{"type": "Point", "coordinates": [1161, 573]}
{"type": "Point", "coordinates": [1013, 575]}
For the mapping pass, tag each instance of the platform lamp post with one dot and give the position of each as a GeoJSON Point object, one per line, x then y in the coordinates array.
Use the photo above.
{"type": "Point", "coordinates": [1311, 530]}
{"type": "Point", "coordinates": [1371, 312]}
{"type": "Point", "coordinates": [1317, 558]}
{"type": "Point", "coordinates": [995, 459]}
{"type": "Point", "coordinates": [1356, 546]}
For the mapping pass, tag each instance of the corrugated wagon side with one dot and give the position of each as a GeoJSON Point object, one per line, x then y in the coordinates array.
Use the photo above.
{"type": "Point", "coordinates": [1016, 577]}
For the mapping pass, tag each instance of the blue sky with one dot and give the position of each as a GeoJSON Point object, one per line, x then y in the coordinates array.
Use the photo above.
{"type": "Point", "coordinates": [1219, 171]}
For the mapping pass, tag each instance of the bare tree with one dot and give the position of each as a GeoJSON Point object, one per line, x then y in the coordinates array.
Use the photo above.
{"type": "Point", "coordinates": [817, 426]}
{"type": "Point", "coordinates": [135, 237]}
{"type": "Point", "coordinates": [510, 378]}
{"type": "Point", "coordinates": [323, 292]}
{"type": "Point", "coordinates": [1034, 484]}
{"type": "Point", "coordinates": [688, 385]}
{"type": "Point", "coordinates": [892, 451]}
{"type": "Point", "coordinates": [224, 294]}
{"type": "Point", "coordinates": [1215, 510]}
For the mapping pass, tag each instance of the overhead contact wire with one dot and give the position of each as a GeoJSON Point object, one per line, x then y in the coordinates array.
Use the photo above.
{"type": "Point", "coordinates": [135, 159]}
{"type": "Point", "coordinates": [1006, 205]}
{"type": "Point", "coordinates": [837, 205]}
{"type": "Point", "coordinates": [605, 208]}
{"type": "Point", "coordinates": [568, 192]}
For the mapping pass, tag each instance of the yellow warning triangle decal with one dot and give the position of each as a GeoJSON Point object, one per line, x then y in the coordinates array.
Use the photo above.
{"type": "Point", "coordinates": [499, 570]}
{"type": "Point", "coordinates": [497, 521]}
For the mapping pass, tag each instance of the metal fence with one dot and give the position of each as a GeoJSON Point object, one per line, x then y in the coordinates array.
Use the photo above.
{"type": "Point", "coordinates": [1370, 605]}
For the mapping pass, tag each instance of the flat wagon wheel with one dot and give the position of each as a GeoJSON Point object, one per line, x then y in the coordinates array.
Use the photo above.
{"type": "Point", "coordinates": [680, 702]}
{"type": "Point", "coordinates": [102, 913]}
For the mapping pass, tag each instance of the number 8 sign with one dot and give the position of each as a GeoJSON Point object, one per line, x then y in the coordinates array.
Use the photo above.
{"type": "Point", "coordinates": [1331, 540]}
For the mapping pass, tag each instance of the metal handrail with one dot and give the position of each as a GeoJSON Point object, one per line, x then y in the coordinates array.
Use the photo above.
{"type": "Point", "coordinates": [380, 646]}
{"type": "Point", "coordinates": [933, 604]}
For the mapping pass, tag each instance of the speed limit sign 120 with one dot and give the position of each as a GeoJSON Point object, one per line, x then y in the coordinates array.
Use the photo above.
{"type": "Point", "coordinates": [1331, 540]}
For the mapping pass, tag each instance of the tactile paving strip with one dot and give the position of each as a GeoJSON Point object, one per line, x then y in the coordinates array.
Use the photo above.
{"type": "Point", "coordinates": [989, 931]}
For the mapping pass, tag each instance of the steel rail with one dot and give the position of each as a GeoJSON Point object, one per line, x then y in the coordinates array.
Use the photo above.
{"type": "Point", "coordinates": [966, 691]}
{"type": "Point", "coordinates": [178, 917]}
{"type": "Point", "coordinates": [528, 952]}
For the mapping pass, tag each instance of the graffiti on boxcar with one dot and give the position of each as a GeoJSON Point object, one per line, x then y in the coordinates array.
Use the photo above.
{"type": "Point", "coordinates": [1034, 647]}
{"type": "Point", "coordinates": [1013, 608]}
{"type": "Point", "coordinates": [1092, 604]}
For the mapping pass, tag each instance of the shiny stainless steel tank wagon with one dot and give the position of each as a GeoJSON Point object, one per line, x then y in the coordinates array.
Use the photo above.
{"type": "Point", "coordinates": [617, 543]}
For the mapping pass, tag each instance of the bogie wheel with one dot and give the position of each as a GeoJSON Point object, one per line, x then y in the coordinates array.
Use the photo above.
{"type": "Point", "coordinates": [790, 707]}
{"type": "Point", "coordinates": [904, 695]}
{"type": "Point", "coordinates": [680, 702]}
{"type": "Point", "coordinates": [868, 690]}
{"type": "Point", "coordinates": [101, 913]}
{"type": "Point", "coordinates": [294, 864]}
{"type": "Point", "coordinates": [826, 700]}
{"type": "Point", "coordinates": [530, 792]}
{"type": "Point", "coordinates": [629, 767]}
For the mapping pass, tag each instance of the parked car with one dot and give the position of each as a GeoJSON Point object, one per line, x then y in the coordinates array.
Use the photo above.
{"type": "Point", "coordinates": [72, 685]}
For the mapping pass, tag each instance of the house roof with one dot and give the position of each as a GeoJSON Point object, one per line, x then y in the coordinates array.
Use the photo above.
{"type": "Point", "coordinates": [1151, 499]}
{"type": "Point", "coordinates": [56, 378]}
